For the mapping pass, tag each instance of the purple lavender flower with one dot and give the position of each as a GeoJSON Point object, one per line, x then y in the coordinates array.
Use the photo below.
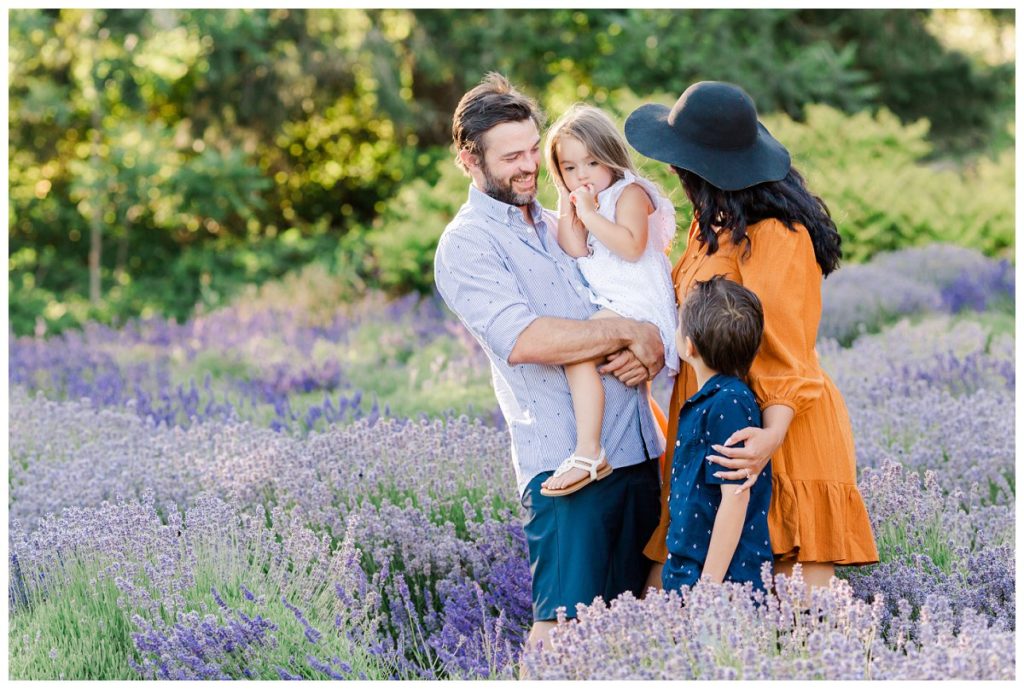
{"type": "Point", "coordinates": [199, 648]}
{"type": "Point", "coordinates": [155, 484]}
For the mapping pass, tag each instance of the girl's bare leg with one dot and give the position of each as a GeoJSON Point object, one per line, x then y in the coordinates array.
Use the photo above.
{"type": "Point", "coordinates": [588, 407]}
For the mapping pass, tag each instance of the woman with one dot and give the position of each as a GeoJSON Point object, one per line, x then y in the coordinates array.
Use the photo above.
{"type": "Point", "coordinates": [756, 223]}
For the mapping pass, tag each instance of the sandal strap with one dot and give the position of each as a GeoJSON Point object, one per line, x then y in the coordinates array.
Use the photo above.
{"type": "Point", "coordinates": [577, 462]}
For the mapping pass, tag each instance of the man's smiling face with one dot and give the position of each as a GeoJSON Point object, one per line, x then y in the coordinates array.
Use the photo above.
{"type": "Point", "coordinates": [511, 162]}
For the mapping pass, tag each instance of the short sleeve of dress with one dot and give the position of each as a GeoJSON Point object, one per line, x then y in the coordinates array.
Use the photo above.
{"type": "Point", "coordinates": [726, 415]}
{"type": "Point", "coordinates": [782, 271]}
{"type": "Point", "coordinates": [662, 222]}
{"type": "Point", "coordinates": [477, 285]}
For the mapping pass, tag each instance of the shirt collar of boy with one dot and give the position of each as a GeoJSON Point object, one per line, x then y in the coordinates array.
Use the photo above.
{"type": "Point", "coordinates": [713, 385]}
{"type": "Point", "coordinates": [502, 212]}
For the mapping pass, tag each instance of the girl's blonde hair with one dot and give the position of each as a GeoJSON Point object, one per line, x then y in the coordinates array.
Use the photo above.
{"type": "Point", "coordinates": [596, 131]}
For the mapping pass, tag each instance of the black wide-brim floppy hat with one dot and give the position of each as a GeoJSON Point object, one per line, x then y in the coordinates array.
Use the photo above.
{"type": "Point", "coordinates": [712, 131]}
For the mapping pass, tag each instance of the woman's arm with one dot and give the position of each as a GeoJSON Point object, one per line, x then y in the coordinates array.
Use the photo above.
{"type": "Point", "coordinates": [627, 238]}
{"type": "Point", "coordinates": [759, 444]}
{"type": "Point", "coordinates": [725, 534]}
{"type": "Point", "coordinates": [783, 272]}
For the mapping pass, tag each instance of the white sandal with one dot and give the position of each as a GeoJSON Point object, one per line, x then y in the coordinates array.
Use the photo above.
{"type": "Point", "coordinates": [578, 462]}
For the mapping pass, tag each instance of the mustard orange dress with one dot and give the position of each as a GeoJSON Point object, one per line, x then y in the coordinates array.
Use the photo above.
{"type": "Point", "coordinates": [817, 513]}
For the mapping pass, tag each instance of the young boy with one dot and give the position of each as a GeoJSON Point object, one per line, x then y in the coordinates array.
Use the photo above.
{"type": "Point", "coordinates": [716, 532]}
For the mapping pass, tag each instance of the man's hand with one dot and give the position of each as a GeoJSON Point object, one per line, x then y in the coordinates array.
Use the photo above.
{"type": "Point", "coordinates": [560, 341]}
{"type": "Point", "coordinates": [647, 346]}
{"type": "Point", "coordinates": [626, 367]}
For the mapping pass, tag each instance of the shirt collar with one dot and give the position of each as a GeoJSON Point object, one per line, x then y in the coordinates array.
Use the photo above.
{"type": "Point", "coordinates": [500, 211]}
{"type": "Point", "coordinates": [713, 385]}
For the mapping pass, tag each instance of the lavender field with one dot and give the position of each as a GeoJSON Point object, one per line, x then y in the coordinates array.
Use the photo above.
{"type": "Point", "coordinates": [284, 489]}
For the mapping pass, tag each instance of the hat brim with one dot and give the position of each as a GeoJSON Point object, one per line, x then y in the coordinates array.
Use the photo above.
{"type": "Point", "coordinates": [648, 131]}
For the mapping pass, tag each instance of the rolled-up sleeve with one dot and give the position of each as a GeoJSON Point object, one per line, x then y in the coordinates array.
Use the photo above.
{"type": "Point", "coordinates": [479, 287]}
{"type": "Point", "coordinates": [783, 272]}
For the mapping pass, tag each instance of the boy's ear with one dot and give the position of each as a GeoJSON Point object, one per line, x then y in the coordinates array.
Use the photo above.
{"type": "Point", "coordinates": [691, 350]}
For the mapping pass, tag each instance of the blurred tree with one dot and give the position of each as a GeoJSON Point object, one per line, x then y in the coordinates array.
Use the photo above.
{"type": "Point", "coordinates": [181, 141]}
{"type": "Point", "coordinates": [917, 77]}
{"type": "Point", "coordinates": [784, 58]}
{"type": "Point", "coordinates": [155, 131]}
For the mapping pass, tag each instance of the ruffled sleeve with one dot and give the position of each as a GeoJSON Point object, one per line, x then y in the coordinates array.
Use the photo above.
{"type": "Point", "coordinates": [661, 224]}
{"type": "Point", "coordinates": [782, 271]}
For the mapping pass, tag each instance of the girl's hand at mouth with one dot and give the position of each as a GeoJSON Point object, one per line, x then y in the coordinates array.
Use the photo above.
{"type": "Point", "coordinates": [584, 198]}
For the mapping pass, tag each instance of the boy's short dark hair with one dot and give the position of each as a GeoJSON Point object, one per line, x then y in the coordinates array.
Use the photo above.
{"type": "Point", "coordinates": [491, 102]}
{"type": "Point", "coordinates": [725, 321]}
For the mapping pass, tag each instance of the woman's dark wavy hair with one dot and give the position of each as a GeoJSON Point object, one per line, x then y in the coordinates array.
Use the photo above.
{"type": "Point", "coordinates": [787, 200]}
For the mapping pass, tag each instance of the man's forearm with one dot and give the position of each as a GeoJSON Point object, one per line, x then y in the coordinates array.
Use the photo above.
{"type": "Point", "coordinates": [561, 341]}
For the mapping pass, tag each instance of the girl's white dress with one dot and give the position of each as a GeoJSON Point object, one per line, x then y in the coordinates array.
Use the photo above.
{"type": "Point", "coordinates": [641, 290]}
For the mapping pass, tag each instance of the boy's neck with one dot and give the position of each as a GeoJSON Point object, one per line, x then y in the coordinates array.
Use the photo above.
{"type": "Point", "coordinates": [703, 372]}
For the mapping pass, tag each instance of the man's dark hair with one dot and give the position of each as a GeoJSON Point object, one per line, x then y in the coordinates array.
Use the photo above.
{"type": "Point", "coordinates": [725, 321]}
{"type": "Point", "coordinates": [491, 102]}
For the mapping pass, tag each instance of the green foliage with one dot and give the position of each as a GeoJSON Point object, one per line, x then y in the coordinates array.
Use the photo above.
{"type": "Point", "coordinates": [79, 634]}
{"type": "Point", "coordinates": [193, 141]}
{"type": "Point", "coordinates": [785, 58]}
{"type": "Point", "coordinates": [917, 77]}
{"type": "Point", "coordinates": [414, 376]}
{"type": "Point", "coordinates": [202, 276]}
{"type": "Point", "coordinates": [868, 169]}
{"type": "Point", "coordinates": [401, 242]}
{"type": "Point", "coordinates": [189, 141]}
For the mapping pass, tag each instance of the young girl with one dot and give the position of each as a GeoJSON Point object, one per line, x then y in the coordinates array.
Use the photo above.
{"type": "Point", "coordinates": [618, 225]}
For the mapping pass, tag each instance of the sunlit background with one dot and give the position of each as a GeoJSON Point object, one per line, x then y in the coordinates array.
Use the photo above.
{"type": "Point", "coordinates": [167, 158]}
{"type": "Point", "coordinates": [248, 441]}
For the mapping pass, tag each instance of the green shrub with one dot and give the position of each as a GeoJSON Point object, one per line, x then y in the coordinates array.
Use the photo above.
{"type": "Point", "coordinates": [399, 246]}
{"type": "Point", "coordinates": [205, 275]}
{"type": "Point", "coordinates": [865, 166]}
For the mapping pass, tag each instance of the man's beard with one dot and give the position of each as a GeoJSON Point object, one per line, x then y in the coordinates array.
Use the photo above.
{"type": "Point", "coordinates": [503, 191]}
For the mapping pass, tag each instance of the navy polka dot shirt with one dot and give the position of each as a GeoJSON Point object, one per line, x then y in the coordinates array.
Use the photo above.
{"type": "Point", "coordinates": [722, 406]}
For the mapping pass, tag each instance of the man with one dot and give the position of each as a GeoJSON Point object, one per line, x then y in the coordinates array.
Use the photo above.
{"type": "Point", "coordinates": [498, 266]}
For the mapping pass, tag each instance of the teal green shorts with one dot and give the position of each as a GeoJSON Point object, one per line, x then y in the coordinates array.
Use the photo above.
{"type": "Point", "coordinates": [591, 543]}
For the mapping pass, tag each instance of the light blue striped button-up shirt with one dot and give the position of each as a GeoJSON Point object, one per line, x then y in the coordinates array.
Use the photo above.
{"type": "Point", "coordinates": [498, 274]}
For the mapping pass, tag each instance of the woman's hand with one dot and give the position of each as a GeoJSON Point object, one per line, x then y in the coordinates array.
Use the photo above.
{"type": "Point", "coordinates": [759, 444]}
{"type": "Point", "coordinates": [749, 461]}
